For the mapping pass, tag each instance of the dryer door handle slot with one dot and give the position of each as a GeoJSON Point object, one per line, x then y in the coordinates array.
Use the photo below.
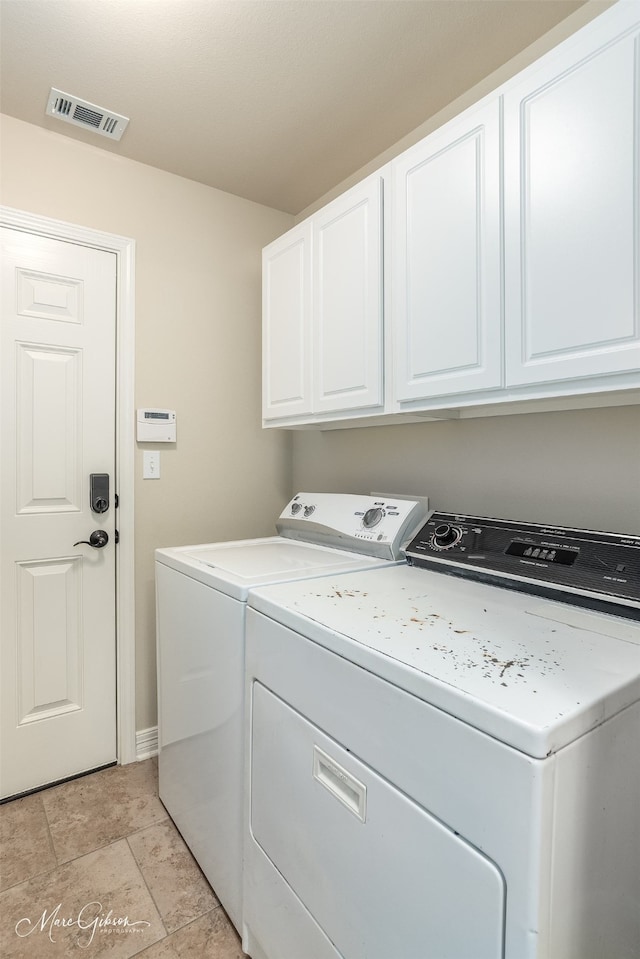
{"type": "Point", "coordinates": [340, 783]}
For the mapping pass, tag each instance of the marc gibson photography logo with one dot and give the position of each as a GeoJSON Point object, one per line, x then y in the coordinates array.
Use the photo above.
{"type": "Point", "coordinates": [90, 919]}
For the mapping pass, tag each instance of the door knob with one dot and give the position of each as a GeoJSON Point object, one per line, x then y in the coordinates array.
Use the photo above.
{"type": "Point", "coordinates": [97, 539]}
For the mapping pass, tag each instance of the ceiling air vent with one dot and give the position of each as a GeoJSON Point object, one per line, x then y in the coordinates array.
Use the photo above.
{"type": "Point", "coordinates": [83, 114]}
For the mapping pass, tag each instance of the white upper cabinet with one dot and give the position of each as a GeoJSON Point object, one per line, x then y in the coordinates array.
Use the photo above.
{"type": "Point", "coordinates": [446, 276]}
{"type": "Point", "coordinates": [512, 272]}
{"type": "Point", "coordinates": [572, 208]}
{"type": "Point", "coordinates": [347, 300]}
{"type": "Point", "coordinates": [286, 325]}
{"type": "Point", "coordinates": [322, 311]}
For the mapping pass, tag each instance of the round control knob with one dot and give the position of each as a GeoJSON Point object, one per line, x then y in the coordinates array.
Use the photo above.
{"type": "Point", "coordinates": [308, 510]}
{"type": "Point", "coordinates": [295, 508]}
{"type": "Point", "coordinates": [372, 517]}
{"type": "Point", "coordinates": [445, 536]}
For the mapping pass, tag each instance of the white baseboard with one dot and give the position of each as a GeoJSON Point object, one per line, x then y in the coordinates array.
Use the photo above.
{"type": "Point", "coordinates": [146, 743]}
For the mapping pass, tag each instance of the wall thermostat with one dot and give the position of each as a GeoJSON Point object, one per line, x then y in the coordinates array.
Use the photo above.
{"type": "Point", "coordinates": [156, 426]}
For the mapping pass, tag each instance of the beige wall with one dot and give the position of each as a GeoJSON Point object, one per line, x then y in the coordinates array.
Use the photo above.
{"type": "Point", "coordinates": [573, 468]}
{"type": "Point", "coordinates": [197, 344]}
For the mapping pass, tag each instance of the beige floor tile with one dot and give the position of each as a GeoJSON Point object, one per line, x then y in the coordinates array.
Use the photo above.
{"type": "Point", "coordinates": [106, 886]}
{"type": "Point", "coordinates": [25, 843]}
{"type": "Point", "coordinates": [90, 812]}
{"type": "Point", "coordinates": [212, 936]}
{"type": "Point", "coordinates": [177, 885]}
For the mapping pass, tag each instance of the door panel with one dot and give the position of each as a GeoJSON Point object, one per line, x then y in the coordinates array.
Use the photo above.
{"type": "Point", "coordinates": [58, 426]}
{"type": "Point", "coordinates": [49, 297]}
{"type": "Point", "coordinates": [48, 411]}
{"type": "Point", "coordinates": [347, 294]}
{"type": "Point", "coordinates": [572, 214]}
{"type": "Point", "coordinates": [49, 655]}
{"type": "Point", "coordinates": [446, 290]}
{"type": "Point", "coordinates": [286, 325]}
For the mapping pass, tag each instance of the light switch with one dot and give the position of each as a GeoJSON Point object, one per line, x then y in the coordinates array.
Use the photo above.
{"type": "Point", "coordinates": [151, 464]}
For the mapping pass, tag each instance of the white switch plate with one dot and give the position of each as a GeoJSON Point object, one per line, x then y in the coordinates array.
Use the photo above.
{"type": "Point", "coordinates": [151, 464]}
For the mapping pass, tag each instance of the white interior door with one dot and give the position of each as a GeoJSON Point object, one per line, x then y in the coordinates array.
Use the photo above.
{"type": "Point", "coordinates": [57, 599]}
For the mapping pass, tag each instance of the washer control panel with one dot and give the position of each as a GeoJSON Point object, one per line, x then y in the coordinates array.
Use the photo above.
{"type": "Point", "coordinates": [374, 525]}
{"type": "Point", "coordinates": [584, 567]}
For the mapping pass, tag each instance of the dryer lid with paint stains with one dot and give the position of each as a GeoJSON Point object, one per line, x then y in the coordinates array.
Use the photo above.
{"type": "Point", "coordinates": [531, 672]}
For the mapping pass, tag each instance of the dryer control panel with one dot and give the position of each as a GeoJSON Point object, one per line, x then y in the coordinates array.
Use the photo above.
{"type": "Point", "coordinates": [374, 525]}
{"type": "Point", "coordinates": [583, 567]}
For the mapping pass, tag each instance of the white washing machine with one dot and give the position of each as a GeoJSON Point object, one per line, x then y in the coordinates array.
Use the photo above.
{"type": "Point", "coordinates": [201, 595]}
{"type": "Point", "coordinates": [445, 768]}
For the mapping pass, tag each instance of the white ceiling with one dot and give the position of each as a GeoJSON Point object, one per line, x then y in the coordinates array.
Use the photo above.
{"type": "Point", "coordinates": [273, 100]}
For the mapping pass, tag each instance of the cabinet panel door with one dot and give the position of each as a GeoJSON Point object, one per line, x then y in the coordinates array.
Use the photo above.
{"type": "Point", "coordinates": [572, 187]}
{"type": "Point", "coordinates": [446, 281]}
{"type": "Point", "coordinates": [347, 300]}
{"type": "Point", "coordinates": [286, 325]}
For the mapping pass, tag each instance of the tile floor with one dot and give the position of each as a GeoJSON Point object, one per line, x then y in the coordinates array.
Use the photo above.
{"type": "Point", "coordinates": [95, 867]}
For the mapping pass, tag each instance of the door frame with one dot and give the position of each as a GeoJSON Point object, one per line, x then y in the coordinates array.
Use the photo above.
{"type": "Point", "coordinates": [124, 249]}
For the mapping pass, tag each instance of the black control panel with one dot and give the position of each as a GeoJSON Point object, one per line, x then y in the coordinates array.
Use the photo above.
{"type": "Point", "coordinates": [583, 567]}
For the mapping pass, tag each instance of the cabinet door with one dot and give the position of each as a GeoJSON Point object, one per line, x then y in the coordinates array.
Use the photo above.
{"type": "Point", "coordinates": [347, 300]}
{"type": "Point", "coordinates": [446, 281]}
{"type": "Point", "coordinates": [572, 214]}
{"type": "Point", "coordinates": [286, 325]}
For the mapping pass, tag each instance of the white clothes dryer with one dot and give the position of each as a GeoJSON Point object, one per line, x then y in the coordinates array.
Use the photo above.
{"type": "Point", "coordinates": [201, 596]}
{"type": "Point", "coordinates": [443, 767]}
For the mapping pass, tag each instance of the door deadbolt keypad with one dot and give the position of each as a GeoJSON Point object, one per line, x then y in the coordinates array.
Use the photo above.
{"type": "Point", "coordinates": [99, 492]}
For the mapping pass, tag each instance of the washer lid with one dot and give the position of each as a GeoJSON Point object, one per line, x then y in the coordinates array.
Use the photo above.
{"type": "Point", "coordinates": [263, 560]}
{"type": "Point", "coordinates": [237, 566]}
{"type": "Point", "coordinates": [530, 672]}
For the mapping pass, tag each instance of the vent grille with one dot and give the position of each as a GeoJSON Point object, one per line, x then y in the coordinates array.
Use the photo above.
{"type": "Point", "coordinates": [81, 113]}
{"type": "Point", "coordinates": [63, 106]}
